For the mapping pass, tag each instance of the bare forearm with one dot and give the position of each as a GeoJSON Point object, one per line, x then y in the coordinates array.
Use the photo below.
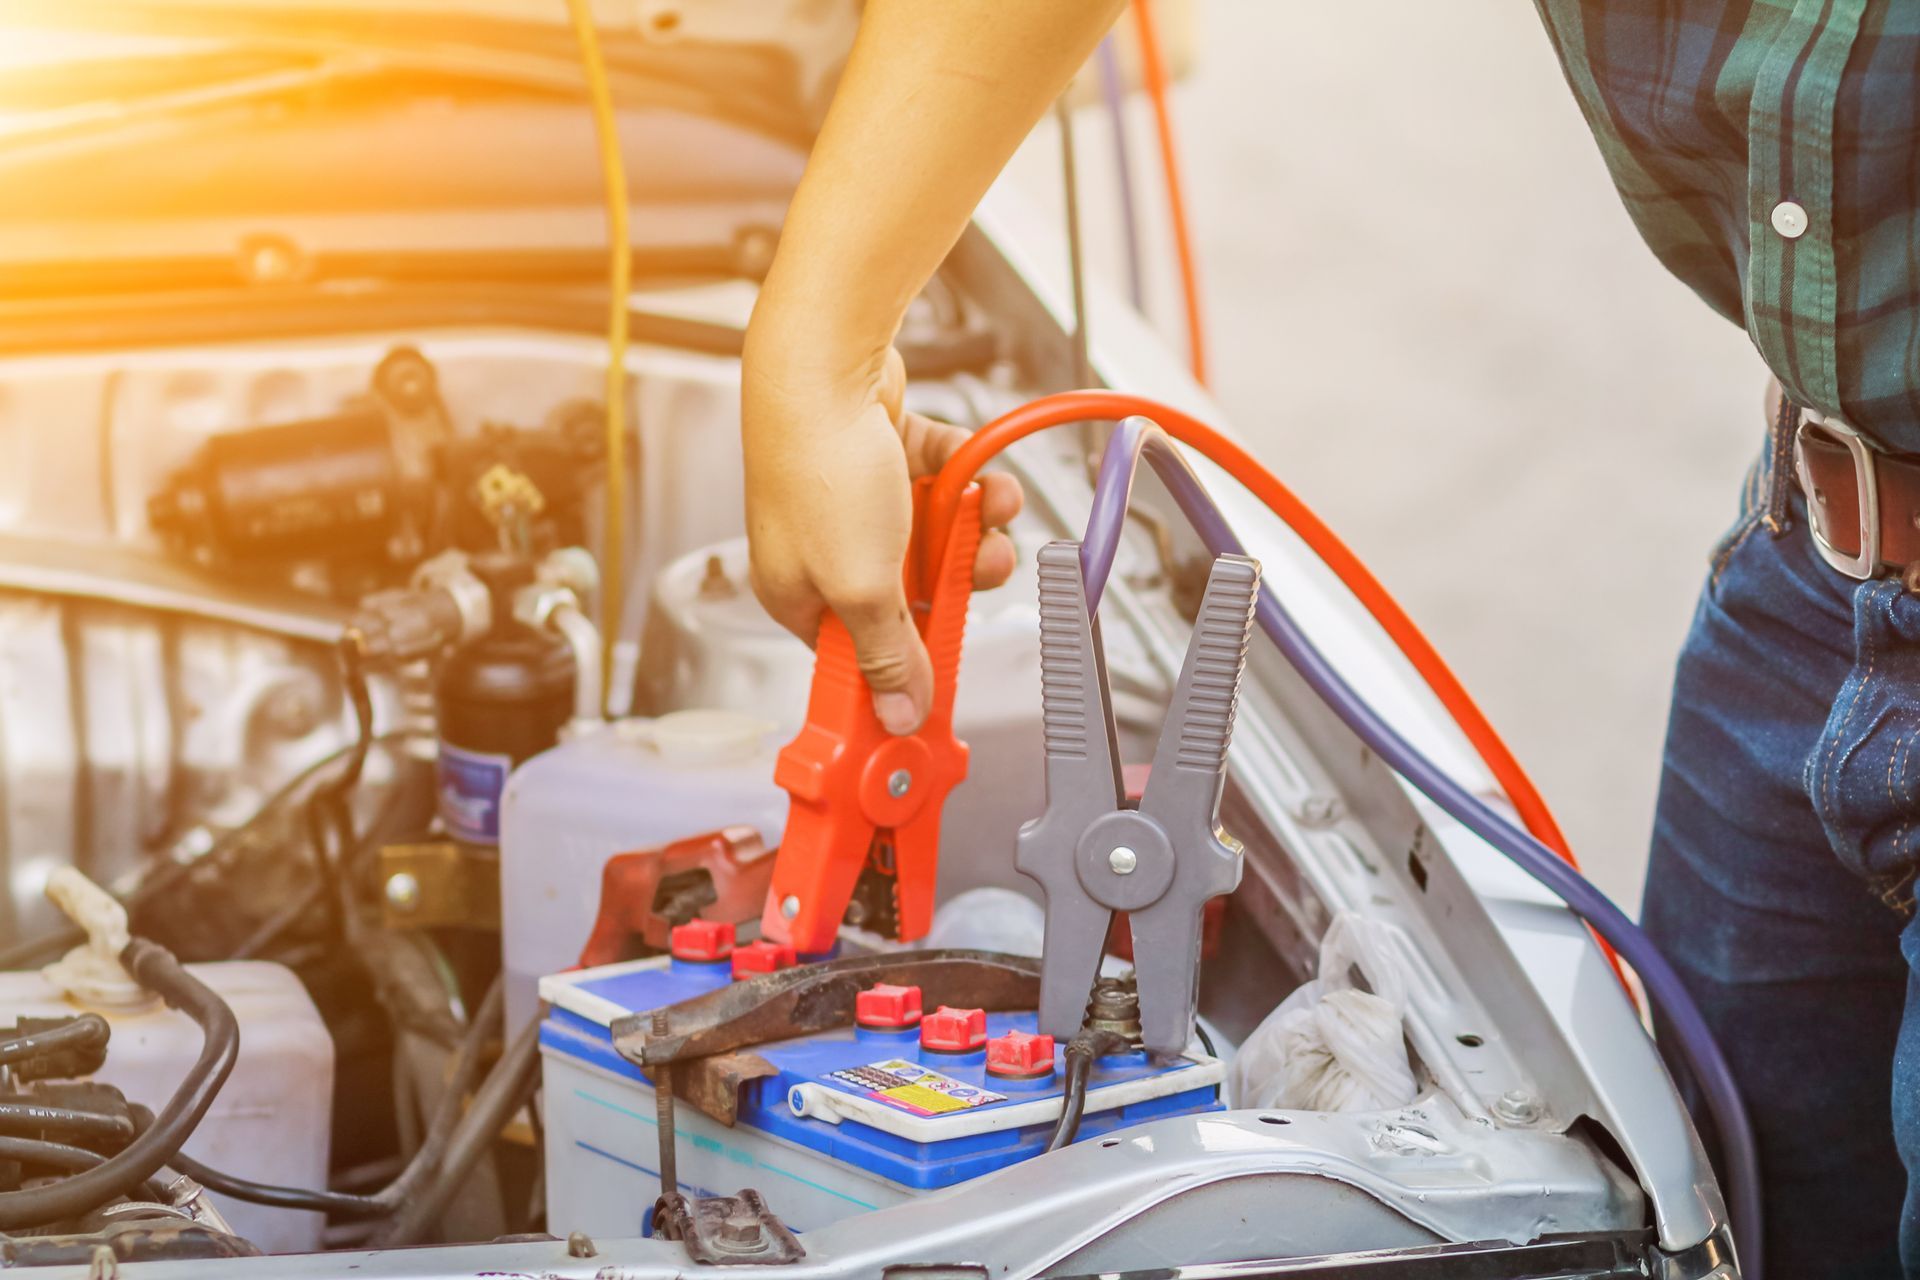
{"type": "Point", "coordinates": [936, 97]}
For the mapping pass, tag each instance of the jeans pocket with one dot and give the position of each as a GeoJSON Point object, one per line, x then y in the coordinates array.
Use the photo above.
{"type": "Point", "coordinates": [1863, 775]}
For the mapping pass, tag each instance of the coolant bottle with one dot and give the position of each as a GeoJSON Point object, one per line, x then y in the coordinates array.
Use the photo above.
{"type": "Point", "coordinates": [611, 789]}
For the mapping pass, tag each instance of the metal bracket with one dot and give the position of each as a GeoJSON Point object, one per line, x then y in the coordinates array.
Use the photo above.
{"type": "Point", "coordinates": [727, 1231]}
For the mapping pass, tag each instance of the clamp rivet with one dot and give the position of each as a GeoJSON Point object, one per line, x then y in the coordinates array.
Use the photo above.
{"type": "Point", "coordinates": [789, 906]}
{"type": "Point", "coordinates": [899, 782]}
{"type": "Point", "coordinates": [1123, 860]}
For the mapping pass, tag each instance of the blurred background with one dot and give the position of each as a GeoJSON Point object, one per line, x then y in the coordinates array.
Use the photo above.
{"type": "Point", "coordinates": [1427, 308]}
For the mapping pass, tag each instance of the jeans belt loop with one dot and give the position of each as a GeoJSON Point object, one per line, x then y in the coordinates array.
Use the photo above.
{"type": "Point", "coordinates": [1781, 438]}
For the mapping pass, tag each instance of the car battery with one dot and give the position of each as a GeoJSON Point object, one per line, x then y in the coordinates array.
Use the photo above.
{"type": "Point", "coordinates": [852, 1120]}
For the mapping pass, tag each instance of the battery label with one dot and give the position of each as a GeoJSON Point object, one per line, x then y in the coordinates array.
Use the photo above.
{"type": "Point", "coordinates": [470, 787]}
{"type": "Point", "coordinates": [911, 1087]}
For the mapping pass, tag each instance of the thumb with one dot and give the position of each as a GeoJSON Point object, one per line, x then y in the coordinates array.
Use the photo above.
{"type": "Point", "coordinates": [891, 657]}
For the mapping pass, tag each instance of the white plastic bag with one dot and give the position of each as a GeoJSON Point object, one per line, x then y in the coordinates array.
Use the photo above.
{"type": "Point", "coordinates": [1331, 1046]}
{"type": "Point", "coordinates": [989, 919]}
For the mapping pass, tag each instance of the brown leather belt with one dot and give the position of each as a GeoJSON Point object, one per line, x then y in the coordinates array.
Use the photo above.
{"type": "Point", "coordinates": [1862, 501]}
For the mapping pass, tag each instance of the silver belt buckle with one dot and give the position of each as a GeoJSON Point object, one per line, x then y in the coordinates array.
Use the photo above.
{"type": "Point", "coordinates": [1866, 479]}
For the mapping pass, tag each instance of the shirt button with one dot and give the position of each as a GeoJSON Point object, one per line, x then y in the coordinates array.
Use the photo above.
{"type": "Point", "coordinates": [1789, 219]}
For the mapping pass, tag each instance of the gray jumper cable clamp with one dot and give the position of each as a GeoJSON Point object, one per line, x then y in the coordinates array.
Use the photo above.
{"type": "Point", "coordinates": [1090, 852]}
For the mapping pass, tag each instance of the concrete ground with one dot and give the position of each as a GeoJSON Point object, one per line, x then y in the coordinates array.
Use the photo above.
{"type": "Point", "coordinates": [1429, 311]}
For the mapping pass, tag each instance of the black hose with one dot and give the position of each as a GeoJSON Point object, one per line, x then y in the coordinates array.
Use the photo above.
{"type": "Point", "coordinates": [155, 968]}
{"type": "Point", "coordinates": [1074, 1104]}
{"type": "Point", "coordinates": [1088, 1044]}
{"type": "Point", "coordinates": [330, 808]}
{"type": "Point", "coordinates": [41, 1118]}
{"type": "Point", "coordinates": [87, 1033]}
{"type": "Point", "coordinates": [440, 1131]}
{"type": "Point", "coordinates": [508, 1087]}
{"type": "Point", "coordinates": [51, 1155]}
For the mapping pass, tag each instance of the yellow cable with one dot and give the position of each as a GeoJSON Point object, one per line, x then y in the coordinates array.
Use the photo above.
{"type": "Point", "coordinates": [613, 176]}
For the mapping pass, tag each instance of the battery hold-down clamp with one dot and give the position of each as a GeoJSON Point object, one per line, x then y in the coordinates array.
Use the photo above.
{"type": "Point", "coordinates": [863, 828]}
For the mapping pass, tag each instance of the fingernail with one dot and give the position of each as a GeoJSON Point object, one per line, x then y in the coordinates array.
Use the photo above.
{"type": "Point", "coordinates": [896, 712]}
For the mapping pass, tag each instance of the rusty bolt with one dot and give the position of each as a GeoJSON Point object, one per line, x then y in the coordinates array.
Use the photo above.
{"type": "Point", "coordinates": [740, 1231]}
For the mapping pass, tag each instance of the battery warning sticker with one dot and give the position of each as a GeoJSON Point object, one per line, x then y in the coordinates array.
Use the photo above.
{"type": "Point", "coordinates": [911, 1087]}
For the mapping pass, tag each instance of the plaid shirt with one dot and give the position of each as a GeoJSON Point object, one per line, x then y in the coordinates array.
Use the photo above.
{"type": "Point", "coordinates": [1769, 153]}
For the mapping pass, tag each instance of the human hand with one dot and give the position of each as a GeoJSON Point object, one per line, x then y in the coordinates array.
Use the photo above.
{"type": "Point", "coordinates": [829, 464]}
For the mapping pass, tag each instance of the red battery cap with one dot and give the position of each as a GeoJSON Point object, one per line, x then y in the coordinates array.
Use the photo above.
{"type": "Point", "coordinates": [701, 940]}
{"type": "Point", "coordinates": [885, 1007]}
{"type": "Point", "coordinates": [762, 955]}
{"type": "Point", "coordinates": [951, 1030]}
{"type": "Point", "coordinates": [1020, 1054]}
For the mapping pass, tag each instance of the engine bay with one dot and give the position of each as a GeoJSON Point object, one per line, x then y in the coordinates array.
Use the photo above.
{"type": "Point", "coordinates": [484, 889]}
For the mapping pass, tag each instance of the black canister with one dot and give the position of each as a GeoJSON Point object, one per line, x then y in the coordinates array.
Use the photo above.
{"type": "Point", "coordinates": [499, 701]}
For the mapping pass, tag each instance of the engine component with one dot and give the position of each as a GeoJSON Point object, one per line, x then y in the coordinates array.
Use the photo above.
{"type": "Point", "coordinates": [866, 1105]}
{"type": "Point", "coordinates": [867, 803]}
{"type": "Point", "coordinates": [499, 701]}
{"type": "Point", "coordinates": [447, 605]}
{"type": "Point", "coordinates": [276, 1103]}
{"type": "Point", "coordinates": [439, 884]}
{"type": "Point", "coordinates": [324, 489]}
{"type": "Point", "coordinates": [721, 876]}
{"type": "Point", "coordinates": [730, 1231]}
{"type": "Point", "coordinates": [143, 1239]}
{"type": "Point", "coordinates": [822, 996]}
{"type": "Point", "coordinates": [1161, 862]}
{"type": "Point", "coordinates": [614, 788]}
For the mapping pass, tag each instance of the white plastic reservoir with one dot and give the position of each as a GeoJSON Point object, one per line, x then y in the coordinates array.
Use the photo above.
{"type": "Point", "coordinates": [634, 784]}
{"type": "Point", "coordinates": [273, 1119]}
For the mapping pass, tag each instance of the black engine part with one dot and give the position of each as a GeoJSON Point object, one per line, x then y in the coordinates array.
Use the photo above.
{"type": "Point", "coordinates": [499, 700]}
{"type": "Point", "coordinates": [324, 488]}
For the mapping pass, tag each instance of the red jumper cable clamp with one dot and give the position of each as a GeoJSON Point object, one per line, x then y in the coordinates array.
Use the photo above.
{"type": "Point", "coordinates": [866, 803]}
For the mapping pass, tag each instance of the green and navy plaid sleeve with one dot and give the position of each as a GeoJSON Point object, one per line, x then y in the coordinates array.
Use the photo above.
{"type": "Point", "coordinates": [1769, 153]}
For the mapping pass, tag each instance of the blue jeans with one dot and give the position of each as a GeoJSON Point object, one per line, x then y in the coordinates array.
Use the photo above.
{"type": "Point", "coordinates": [1780, 883]}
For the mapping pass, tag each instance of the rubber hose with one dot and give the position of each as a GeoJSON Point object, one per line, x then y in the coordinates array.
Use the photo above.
{"type": "Point", "coordinates": [41, 1118]}
{"type": "Point", "coordinates": [155, 968]}
{"type": "Point", "coordinates": [440, 1129]}
{"type": "Point", "coordinates": [1074, 1103]}
{"type": "Point", "coordinates": [507, 1088]}
{"type": "Point", "coordinates": [53, 1155]}
{"type": "Point", "coordinates": [88, 1031]}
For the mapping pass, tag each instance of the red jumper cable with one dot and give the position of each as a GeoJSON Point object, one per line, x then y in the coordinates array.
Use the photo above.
{"type": "Point", "coordinates": [865, 799]}
{"type": "Point", "coordinates": [1084, 406]}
